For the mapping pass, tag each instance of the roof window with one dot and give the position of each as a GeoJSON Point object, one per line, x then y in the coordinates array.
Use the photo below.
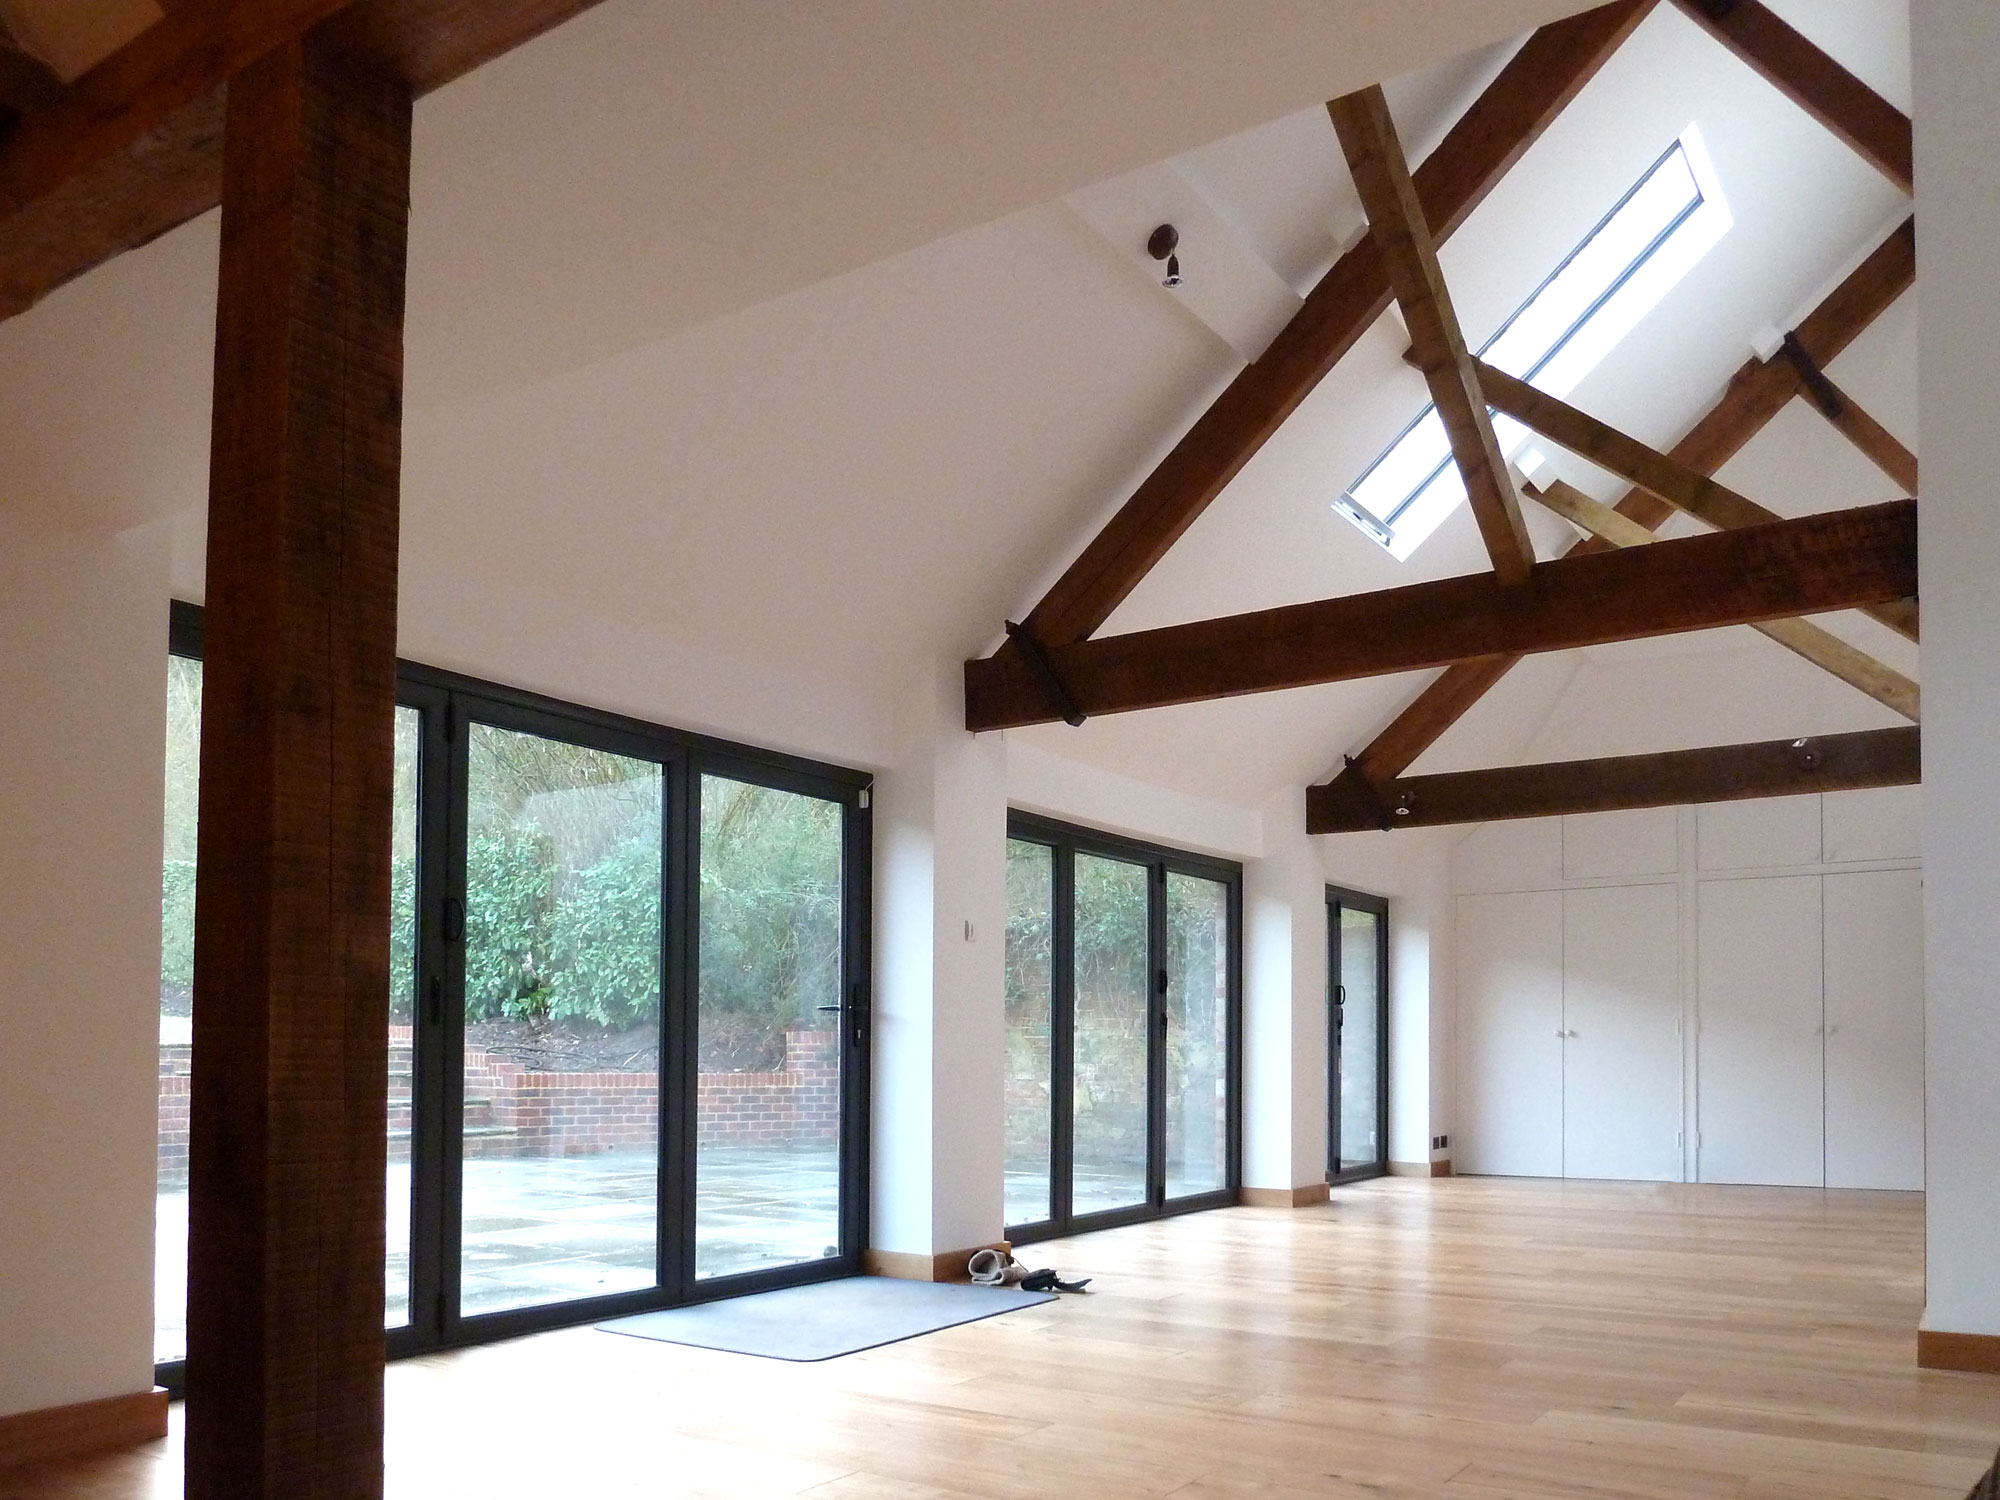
{"type": "Point", "coordinates": [1652, 237]}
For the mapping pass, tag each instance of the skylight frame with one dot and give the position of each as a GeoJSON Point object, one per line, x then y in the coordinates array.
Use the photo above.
{"type": "Point", "coordinates": [1691, 226]}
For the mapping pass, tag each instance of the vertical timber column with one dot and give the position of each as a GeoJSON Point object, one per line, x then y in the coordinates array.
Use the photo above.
{"type": "Point", "coordinates": [285, 1271]}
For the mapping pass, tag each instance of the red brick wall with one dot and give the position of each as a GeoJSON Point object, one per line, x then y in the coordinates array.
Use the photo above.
{"type": "Point", "coordinates": [511, 1111]}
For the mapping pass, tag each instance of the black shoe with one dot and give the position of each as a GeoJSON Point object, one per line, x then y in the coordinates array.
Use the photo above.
{"type": "Point", "coordinates": [1048, 1281]}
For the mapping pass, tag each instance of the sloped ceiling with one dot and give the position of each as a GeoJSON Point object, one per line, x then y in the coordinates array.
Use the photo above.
{"type": "Point", "coordinates": [775, 342]}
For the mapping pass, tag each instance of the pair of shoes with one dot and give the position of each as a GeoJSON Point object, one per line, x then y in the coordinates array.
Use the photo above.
{"type": "Point", "coordinates": [995, 1268]}
{"type": "Point", "coordinates": [1048, 1281]}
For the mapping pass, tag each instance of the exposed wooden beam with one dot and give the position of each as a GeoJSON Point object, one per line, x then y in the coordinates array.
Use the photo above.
{"type": "Point", "coordinates": [134, 147]}
{"type": "Point", "coordinates": [1533, 88]}
{"type": "Point", "coordinates": [1658, 474]}
{"type": "Point", "coordinates": [288, 1130]}
{"type": "Point", "coordinates": [1820, 647]}
{"type": "Point", "coordinates": [1812, 80]}
{"type": "Point", "coordinates": [26, 84]}
{"type": "Point", "coordinates": [1808, 566]}
{"type": "Point", "coordinates": [1444, 700]}
{"type": "Point", "coordinates": [1409, 258]}
{"type": "Point", "coordinates": [1728, 773]}
{"type": "Point", "coordinates": [1631, 460]}
{"type": "Point", "coordinates": [1757, 392]}
{"type": "Point", "coordinates": [1877, 444]}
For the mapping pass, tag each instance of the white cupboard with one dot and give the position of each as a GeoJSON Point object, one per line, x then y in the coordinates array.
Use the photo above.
{"type": "Point", "coordinates": [1728, 994]}
{"type": "Point", "coordinates": [1760, 1105]}
{"type": "Point", "coordinates": [1622, 1033]}
{"type": "Point", "coordinates": [1875, 1030]}
{"type": "Point", "coordinates": [1511, 1022]}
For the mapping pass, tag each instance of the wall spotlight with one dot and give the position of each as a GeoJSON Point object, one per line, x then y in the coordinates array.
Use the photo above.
{"type": "Point", "coordinates": [1162, 244]}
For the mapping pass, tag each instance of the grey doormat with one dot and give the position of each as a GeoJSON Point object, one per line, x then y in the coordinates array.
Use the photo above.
{"type": "Point", "coordinates": [826, 1319]}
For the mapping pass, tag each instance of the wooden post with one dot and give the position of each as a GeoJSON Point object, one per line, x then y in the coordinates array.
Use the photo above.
{"type": "Point", "coordinates": [288, 1136]}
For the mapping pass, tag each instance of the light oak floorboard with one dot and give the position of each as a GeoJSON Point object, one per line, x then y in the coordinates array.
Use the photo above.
{"type": "Point", "coordinates": [1458, 1339]}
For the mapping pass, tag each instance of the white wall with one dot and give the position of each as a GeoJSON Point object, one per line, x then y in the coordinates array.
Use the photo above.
{"type": "Point", "coordinates": [1284, 1004]}
{"type": "Point", "coordinates": [83, 674]}
{"type": "Point", "coordinates": [1956, 58]}
{"type": "Point", "coordinates": [1040, 782]}
{"type": "Point", "coordinates": [940, 1018]}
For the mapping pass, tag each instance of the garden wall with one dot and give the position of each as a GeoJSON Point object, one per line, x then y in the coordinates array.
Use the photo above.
{"type": "Point", "coordinates": [511, 1111]}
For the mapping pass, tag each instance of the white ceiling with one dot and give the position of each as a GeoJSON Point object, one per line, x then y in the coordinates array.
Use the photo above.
{"type": "Point", "coordinates": [767, 340]}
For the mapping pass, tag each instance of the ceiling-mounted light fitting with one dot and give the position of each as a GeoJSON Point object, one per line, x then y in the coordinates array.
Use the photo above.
{"type": "Point", "coordinates": [1162, 244]}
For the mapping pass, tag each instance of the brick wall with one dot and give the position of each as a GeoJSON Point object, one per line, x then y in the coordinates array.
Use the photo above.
{"type": "Point", "coordinates": [511, 1111]}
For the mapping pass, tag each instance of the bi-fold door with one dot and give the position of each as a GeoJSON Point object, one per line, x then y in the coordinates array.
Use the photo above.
{"type": "Point", "coordinates": [628, 1031]}
{"type": "Point", "coordinates": [1123, 1013]}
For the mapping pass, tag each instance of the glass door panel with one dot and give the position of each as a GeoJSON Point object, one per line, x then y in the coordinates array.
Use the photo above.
{"type": "Point", "coordinates": [769, 1029]}
{"type": "Point", "coordinates": [1358, 1026]}
{"type": "Point", "coordinates": [1109, 1088]}
{"type": "Point", "coordinates": [1197, 1056]}
{"type": "Point", "coordinates": [1030, 992]}
{"type": "Point", "coordinates": [402, 1013]}
{"type": "Point", "coordinates": [170, 1220]}
{"type": "Point", "coordinates": [177, 896]}
{"type": "Point", "coordinates": [563, 860]}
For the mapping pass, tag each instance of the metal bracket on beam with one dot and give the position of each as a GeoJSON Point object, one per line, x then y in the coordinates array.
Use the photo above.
{"type": "Point", "coordinates": [1806, 753]}
{"type": "Point", "coordinates": [1373, 794]}
{"type": "Point", "coordinates": [1037, 657]}
{"type": "Point", "coordinates": [1823, 392]}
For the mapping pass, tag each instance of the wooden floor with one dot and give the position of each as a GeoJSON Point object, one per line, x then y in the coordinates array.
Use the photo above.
{"type": "Point", "coordinates": [1458, 1338]}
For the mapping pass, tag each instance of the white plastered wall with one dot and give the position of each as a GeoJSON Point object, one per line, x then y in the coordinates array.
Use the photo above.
{"type": "Point", "coordinates": [84, 618]}
{"type": "Point", "coordinates": [1956, 48]}
{"type": "Point", "coordinates": [940, 925]}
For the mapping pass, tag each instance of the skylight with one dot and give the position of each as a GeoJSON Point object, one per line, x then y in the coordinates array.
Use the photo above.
{"type": "Point", "coordinates": [1671, 217]}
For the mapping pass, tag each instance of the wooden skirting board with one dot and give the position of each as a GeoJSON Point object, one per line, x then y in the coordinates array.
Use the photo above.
{"type": "Point", "coordinates": [913, 1265]}
{"type": "Point", "coordinates": [1977, 1352]}
{"type": "Point", "coordinates": [1292, 1197]}
{"type": "Point", "coordinates": [1420, 1168]}
{"type": "Point", "coordinates": [59, 1432]}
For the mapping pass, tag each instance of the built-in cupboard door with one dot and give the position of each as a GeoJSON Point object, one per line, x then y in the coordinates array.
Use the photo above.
{"type": "Point", "coordinates": [1875, 1030]}
{"type": "Point", "coordinates": [1760, 1072]}
{"type": "Point", "coordinates": [1510, 1034]}
{"type": "Point", "coordinates": [1621, 1033]}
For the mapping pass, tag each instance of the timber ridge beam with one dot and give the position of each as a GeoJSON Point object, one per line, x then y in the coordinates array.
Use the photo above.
{"type": "Point", "coordinates": [1774, 768]}
{"type": "Point", "coordinates": [1756, 393]}
{"type": "Point", "coordinates": [1836, 560]}
{"type": "Point", "coordinates": [1530, 91]}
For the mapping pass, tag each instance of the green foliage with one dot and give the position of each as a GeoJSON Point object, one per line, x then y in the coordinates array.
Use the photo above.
{"type": "Point", "coordinates": [402, 937]}
{"type": "Point", "coordinates": [176, 932]}
{"type": "Point", "coordinates": [562, 899]}
{"type": "Point", "coordinates": [508, 875]}
{"type": "Point", "coordinates": [1111, 971]}
{"type": "Point", "coordinates": [770, 921]}
{"type": "Point", "coordinates": [604, 940]}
